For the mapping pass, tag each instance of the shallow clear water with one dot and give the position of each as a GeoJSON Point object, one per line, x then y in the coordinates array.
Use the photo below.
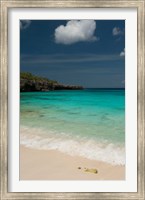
{"type": "Point", "coordinates": [89, 123]}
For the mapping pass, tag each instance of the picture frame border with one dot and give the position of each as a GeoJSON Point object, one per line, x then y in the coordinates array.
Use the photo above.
{"type": "Point", "coordinates": [5, 6]}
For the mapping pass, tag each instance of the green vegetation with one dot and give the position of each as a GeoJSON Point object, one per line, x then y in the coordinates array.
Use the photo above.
{"type": "Point", "coordinates": [31, 83]}
{"type": "Point", "coordinates": [29, 76]}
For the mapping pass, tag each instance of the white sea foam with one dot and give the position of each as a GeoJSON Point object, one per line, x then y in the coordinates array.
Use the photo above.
{"type": "Point", "coordinates": [88, 148]}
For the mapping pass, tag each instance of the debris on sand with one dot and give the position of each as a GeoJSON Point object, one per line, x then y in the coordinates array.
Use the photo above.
{"type": "Point", "coordinates": [95, 171]}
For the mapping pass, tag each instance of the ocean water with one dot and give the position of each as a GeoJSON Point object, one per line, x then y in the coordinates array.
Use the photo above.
{"type": "Point", "coordinates": [88, 123]}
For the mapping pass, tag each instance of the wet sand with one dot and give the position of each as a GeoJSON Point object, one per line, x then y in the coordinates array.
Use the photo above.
{"type": "Point", "coordinates": [54, 165]}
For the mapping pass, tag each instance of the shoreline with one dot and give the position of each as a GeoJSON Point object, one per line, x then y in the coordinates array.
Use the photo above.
{"type": "Point", "coordinates": [36, 164]}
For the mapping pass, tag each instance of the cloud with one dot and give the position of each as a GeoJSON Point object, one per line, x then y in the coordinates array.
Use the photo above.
{"type": "Point", "coordinates": [122, 53]}
{"type": "Point", "coordinates": [24, 24]}
{"type": "Point", "coordinates": [75, 31]}
{"type": "Point", "coordinates": [62, 58]}
{"type": "Point", "coordinates": [117, 31]}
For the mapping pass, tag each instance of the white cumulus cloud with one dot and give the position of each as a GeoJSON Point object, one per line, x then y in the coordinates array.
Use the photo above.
{"type": "Point", "coordinates": [25, 24]}
{"type": "Point", "coordinates": [75, 31]}
{"type": "Point", "coordinates": [117, 31]}
{"type": "Point", "coordinates": [122, 53]}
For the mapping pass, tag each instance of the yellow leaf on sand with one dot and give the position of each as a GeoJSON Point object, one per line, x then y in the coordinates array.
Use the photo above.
{"type": "Point", "coordinates": [95, 171]}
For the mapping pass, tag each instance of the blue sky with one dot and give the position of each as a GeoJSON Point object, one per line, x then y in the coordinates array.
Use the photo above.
{"type": "Point", "coordinates": [90, 53]}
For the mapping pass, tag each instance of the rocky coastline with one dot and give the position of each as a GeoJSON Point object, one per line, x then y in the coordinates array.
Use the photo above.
{"type": "Point", "coordinates": [31, 83]}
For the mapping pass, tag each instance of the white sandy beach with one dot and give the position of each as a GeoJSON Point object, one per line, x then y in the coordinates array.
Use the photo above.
{"type": "Point", "coordinates": [54, 165]}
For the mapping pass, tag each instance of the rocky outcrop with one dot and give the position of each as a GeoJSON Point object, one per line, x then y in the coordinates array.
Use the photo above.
{"type": "Point", "coordinates": [44, 85]}
{"type": "Point", "coordinates": [66, 87]}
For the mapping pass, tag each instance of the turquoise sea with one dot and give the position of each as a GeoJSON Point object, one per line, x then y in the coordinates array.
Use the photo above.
{"type": "Point", "coordinates": [88, 123]}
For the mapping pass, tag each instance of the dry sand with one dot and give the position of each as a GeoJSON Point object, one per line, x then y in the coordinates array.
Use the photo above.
{"type": "Point", "coordinates": [54, 165]}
